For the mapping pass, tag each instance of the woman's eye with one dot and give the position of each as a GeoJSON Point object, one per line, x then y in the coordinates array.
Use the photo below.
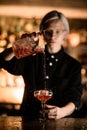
{"type": "Point", "coordinates": [57, 32]}
{"type": "Point", "coordinates": [48, 33]}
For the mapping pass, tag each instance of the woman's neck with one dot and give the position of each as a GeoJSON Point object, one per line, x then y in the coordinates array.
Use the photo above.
{"type": "Point", "coordinates": [53, 49]}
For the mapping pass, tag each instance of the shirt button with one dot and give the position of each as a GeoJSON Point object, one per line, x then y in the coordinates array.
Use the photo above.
{"type": "Point", "coordinates": [47, 77]}
{"type": "Point", "coordinates": [52, 56]}
{"type": "Point", "coordinates": [56, 60]}
{"type": "Point", "coordinates": [50, 64]}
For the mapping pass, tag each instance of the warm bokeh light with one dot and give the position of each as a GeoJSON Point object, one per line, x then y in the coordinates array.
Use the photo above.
{"type": "Point", "coordinates": [11, 95]}
{"type": "Point", "coordinates": [74, 39]}
{"type": "Point", "coordinates": [11, 88]}
{"type": "Point", "coordinates": [39, 11]}
{"type": "Point", "coordinates": [83, 71]}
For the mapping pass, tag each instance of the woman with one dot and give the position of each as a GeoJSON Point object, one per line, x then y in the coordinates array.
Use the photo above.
{"type": "Point", "coordinates": [63, 73]}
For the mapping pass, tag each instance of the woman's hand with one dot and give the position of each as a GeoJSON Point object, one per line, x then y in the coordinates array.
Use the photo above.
{"type": "Point", "coordinates": [54, 112]}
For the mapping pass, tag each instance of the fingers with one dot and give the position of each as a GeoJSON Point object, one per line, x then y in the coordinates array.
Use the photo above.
{"type": "Point", "coordinates": [51, 111]}
{"type": "Point", "coordinates": [52, 117]}
{"type": "Point", "coordinates": [29, 35]}
{"type": "Point", "coordinates": [49, 106]}
{"type": "Point", "coordinates": [33, 38]}
{"type": "Point", "coordinates": [25, 35]}
{"type": "Point", "coordinates": [33, 34]}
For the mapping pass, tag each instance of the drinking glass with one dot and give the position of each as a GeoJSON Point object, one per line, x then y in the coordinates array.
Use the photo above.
{"type": "Point", "coordinates": [43, 95]}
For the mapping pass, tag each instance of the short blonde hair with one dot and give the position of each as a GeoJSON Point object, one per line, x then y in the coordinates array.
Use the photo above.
{"type": "Point", "coordinates": [52, 15]}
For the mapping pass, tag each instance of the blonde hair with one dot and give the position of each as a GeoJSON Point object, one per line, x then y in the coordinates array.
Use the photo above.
{"type": "Point", "coordinates": [52, 16]}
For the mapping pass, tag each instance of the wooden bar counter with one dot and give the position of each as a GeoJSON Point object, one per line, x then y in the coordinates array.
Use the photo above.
{"type": "Point", "coordinates": [21, 123]}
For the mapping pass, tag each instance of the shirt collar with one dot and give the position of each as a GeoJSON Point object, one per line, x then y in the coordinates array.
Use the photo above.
{"type": "Point", "coordinates": [58, 55]}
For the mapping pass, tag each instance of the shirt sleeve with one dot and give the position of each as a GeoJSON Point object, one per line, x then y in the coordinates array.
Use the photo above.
{"type": "Point", "coordinates": [75, 88]}
{"type": "Point", "coordinates": [13, 66]}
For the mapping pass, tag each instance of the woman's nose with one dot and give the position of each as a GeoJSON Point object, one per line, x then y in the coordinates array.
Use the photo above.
{"type": "Point", "coordinates": [53, 35]}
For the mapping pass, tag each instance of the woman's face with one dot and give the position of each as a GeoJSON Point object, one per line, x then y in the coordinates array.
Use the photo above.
{"type": "Point", "coordinates": [55, 33]}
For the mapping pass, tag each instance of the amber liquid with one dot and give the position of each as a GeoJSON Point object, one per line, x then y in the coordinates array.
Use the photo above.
{"type": "Point", "coordinates": [26, 47]}
{"type": "Point", "coordinates": [43, 96]}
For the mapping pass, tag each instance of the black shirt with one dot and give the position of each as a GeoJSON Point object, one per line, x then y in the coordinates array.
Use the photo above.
{"type": "Point", "coordinates": [63, 77]}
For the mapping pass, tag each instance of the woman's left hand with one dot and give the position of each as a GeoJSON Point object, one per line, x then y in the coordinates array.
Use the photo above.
{"type": "Point", "coordinates": [54, 112]}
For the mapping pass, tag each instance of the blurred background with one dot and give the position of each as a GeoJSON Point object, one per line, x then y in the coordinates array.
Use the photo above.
{"type": "Point", "coordinates": [18, 17]}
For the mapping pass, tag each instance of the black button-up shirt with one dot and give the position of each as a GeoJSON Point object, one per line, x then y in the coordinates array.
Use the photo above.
{"type": "Point", "coordinates": [63, 77]}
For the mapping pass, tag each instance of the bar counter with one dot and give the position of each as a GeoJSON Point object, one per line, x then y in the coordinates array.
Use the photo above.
{"type": "Point", "coordinates": [21, 123]}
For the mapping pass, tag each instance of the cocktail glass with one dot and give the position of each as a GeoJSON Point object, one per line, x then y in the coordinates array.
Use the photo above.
{"type": "Point", "coordinates": [43, 95]}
